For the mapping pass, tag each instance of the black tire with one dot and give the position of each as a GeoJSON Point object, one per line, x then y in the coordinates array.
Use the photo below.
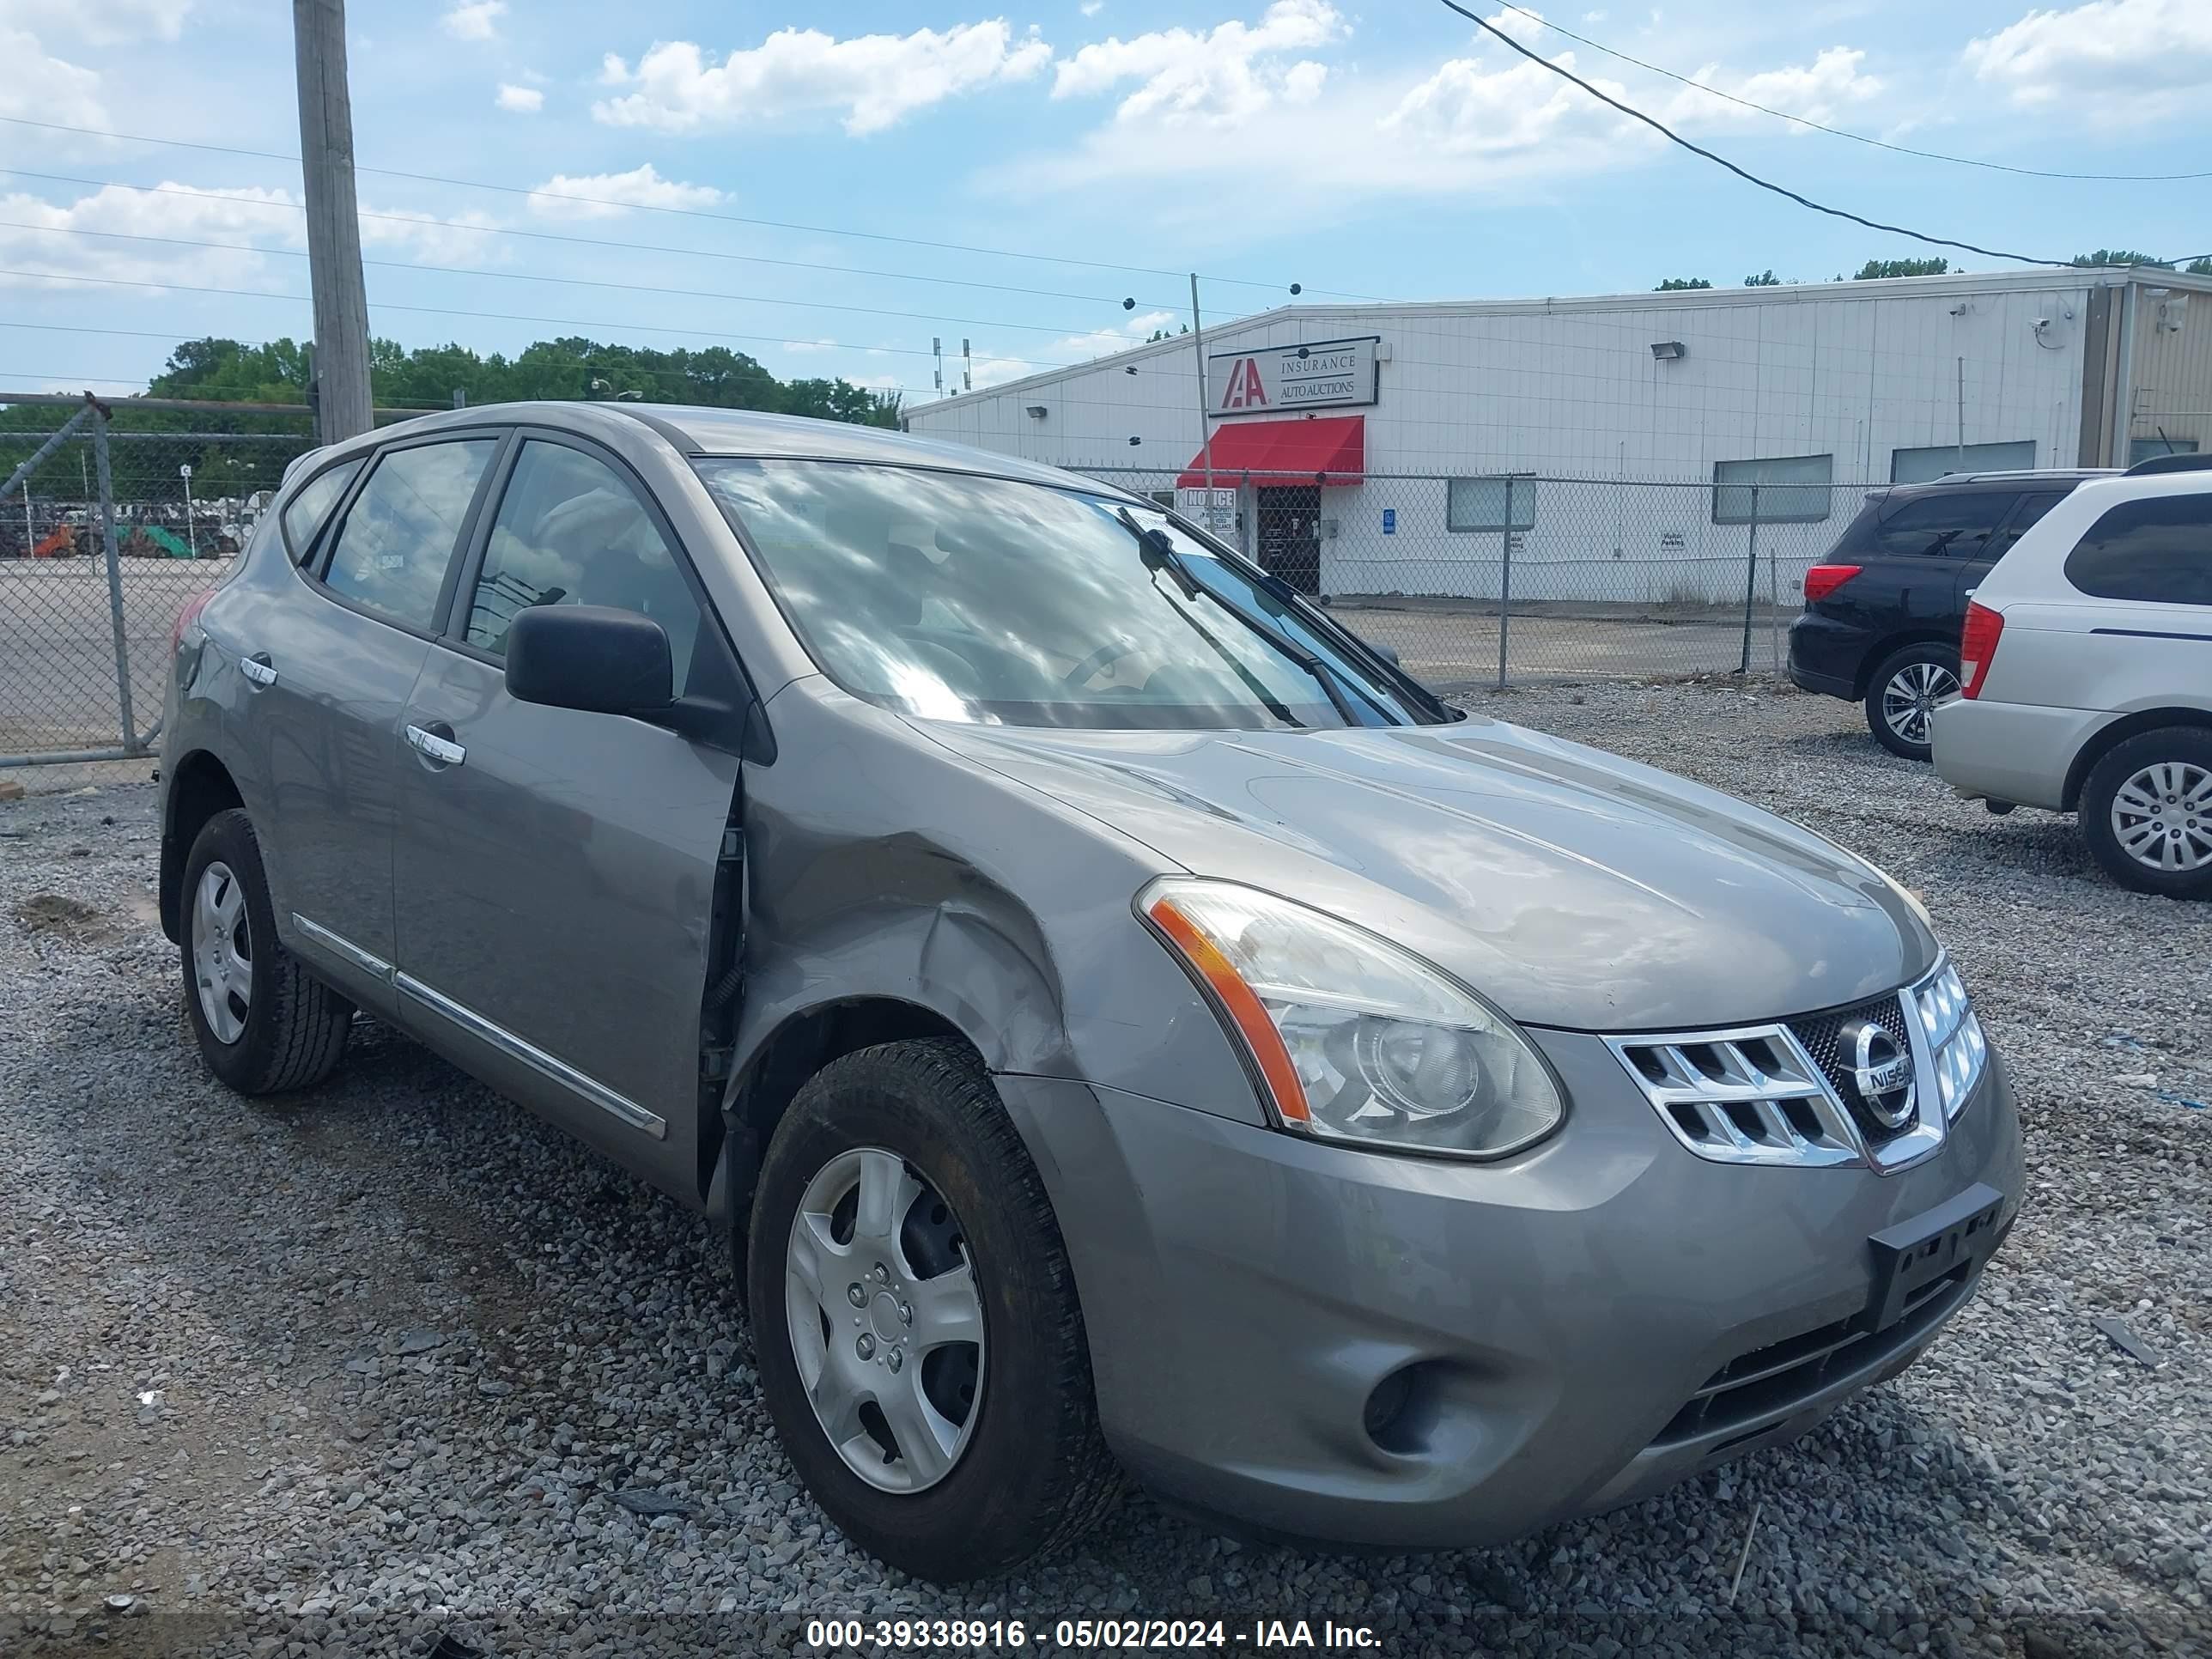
{"type": "Point", "coordinates": [2187, 746]}
{"type": "Point", "coordinates": [294, 1026]}
{"type": "Point", "coordinates": [1927, 656]}
{"type": "Point", "coordinates": [1035, 1473]}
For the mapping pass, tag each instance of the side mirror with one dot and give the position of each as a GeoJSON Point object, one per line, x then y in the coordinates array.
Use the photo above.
{"type": "Point", "coordinates": [1387, 652]}
{"type": "Point", "coordinates": [589, 657]}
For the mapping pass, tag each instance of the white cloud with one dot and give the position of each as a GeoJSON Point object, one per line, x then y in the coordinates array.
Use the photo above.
{"type": "Point", "coordinates": [1819, 91]}
{"type": "Point", "coordinates": [43, 87]}
{"type": "Point", "coordinates": [1226, 76]}
{"type": "Point", "coordinates": [102, 22]}
{"type": "Point", "coordinates": [2116, 60]}
{"type": "Point", "coordinates": [182, 212]}
{"type": "Point", "coordinates": [469, 238]}
{"type": "Point", "coordinates": [474, 20]}
{"type": "Point", "coordinates": [1091, 8]}
{"type": "Point", "coordinates": [991, 370]}
{"type": "Point", "coordinates": [519, 100]}
{"type": "Point", "coordinates": [1488, 124]}
{"type": "Point", "coordinates": [874, 80]}
{"type": "Point", "coordinates": [607, 193]}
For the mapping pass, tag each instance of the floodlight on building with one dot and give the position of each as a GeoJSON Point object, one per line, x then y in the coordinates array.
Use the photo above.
{"type": "Point", "coordinates": [1668, 350]}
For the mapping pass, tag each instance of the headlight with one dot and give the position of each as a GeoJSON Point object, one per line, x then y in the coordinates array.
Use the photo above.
{"type": "Point", "coordinates": [1955, 1041]}
{"type": "Point", "coordinates": [1356, 1040]}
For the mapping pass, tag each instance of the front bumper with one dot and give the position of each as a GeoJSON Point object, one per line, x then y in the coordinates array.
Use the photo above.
{"type": "Point", "coordinates": [1246, 1291]}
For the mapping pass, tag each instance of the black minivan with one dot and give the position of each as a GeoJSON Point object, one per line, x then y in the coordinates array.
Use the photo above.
{"type": "Point", "coordinates": [1883, 611]}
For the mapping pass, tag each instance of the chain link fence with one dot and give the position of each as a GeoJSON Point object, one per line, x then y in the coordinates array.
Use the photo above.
{"type": "Point", "coordinates": [1491, 580]}
{"type": "Point", "coordinates": [110, 523]}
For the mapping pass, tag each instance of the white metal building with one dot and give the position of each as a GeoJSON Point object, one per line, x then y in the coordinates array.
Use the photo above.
{"type": "Point", "coordinates": [1391, 448]}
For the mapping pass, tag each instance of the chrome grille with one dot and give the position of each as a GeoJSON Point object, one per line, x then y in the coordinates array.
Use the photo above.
{"type": "Point", "coordinates": [1783, 1093]}
{"type": "Point", "coordinates": [1821, 1036]}
{"type": "Point", "coordinates": [1745, 1096]}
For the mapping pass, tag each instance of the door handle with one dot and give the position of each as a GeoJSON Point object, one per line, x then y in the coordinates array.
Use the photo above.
{"type": "Point", "coordinates": [444, 750]}
{"type": "Point", "coordinates": [258, 669]}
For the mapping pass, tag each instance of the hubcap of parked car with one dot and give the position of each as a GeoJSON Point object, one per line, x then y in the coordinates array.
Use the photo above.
{"type": "Point", "coordinates": [886, 1324]}
{"type": "Point", "coordinates": [222, 952]}
{"type": "Point", "coordinates": [1912, 696]}
{"type": "Point", "coordinates": [2163, 816]}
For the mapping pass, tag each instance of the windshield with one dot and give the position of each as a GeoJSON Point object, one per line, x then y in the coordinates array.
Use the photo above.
{"type": "Point", "coordinates": [980, 600]}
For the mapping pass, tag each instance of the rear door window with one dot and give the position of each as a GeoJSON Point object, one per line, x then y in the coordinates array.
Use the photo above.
{"type": "Point", "coordinates": [2157, 551]}
{"type": "Point", "coordinates": [392, 552]}
{"type": "Point", "coordinates": [304, 513]}
{"type": "Point", "coordinates": [1952, 526]}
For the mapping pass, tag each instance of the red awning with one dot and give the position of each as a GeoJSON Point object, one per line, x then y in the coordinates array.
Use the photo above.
{"type": "Point", "coordinates": [1294, 451]}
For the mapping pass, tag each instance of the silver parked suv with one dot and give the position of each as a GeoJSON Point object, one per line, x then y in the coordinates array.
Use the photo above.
{"type": "Point", "coordinates": [1123, 1023]}
{"type": "Point", "coordinates": [2086, 676]}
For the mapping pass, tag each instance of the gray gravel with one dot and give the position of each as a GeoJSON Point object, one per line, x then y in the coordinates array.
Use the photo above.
{"type": "Point", "coordinates": [344, 1373]}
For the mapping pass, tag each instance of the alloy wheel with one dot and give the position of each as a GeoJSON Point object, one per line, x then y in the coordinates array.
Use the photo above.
{"type": "Point", "coordinates": [1914, 693]}
{"type": "Point", "coordinates": [2162, 816]}
{"type": "Point", "coordinates": [223, 952]}
{"type": "Point", "coordinates": [886, 1320]}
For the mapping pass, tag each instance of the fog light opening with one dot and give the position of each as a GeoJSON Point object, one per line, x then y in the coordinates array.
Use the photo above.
{"type": "Point", "coordinates": [1401, 1410]}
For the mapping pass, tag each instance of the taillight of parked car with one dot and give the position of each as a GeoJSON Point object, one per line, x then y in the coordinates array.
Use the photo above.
{"type": "Point", "coordinates": [188, 616]}
{"type": "Point", "coordinates": [1823, 580]}
{"type": "Point", "coordinates": [1977, 643]}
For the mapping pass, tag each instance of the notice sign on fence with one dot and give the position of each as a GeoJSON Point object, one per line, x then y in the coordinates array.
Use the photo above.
{"type": "Point", "coordinates": [1216, 509]}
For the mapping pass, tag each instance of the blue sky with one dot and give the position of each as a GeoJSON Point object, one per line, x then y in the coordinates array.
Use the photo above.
{"type": "Point", "coordinates": [1388, 152]}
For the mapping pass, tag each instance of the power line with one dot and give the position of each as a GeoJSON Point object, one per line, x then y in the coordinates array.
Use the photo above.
{"type": "Point", "coordinates": [533, 276]}
{"type": "Point", "coordinates": [1839, 132]}
{"type": "Point", "coordinates": [688, 213]}
{"type": "Point", "coordinates": [427, 221]}
{"type": "Point", "coordinates": [1672, 136]}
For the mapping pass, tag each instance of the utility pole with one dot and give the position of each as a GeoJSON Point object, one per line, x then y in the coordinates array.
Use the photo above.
{"type": "Point", "coordinates": [341, 358]}
{"type": "Point", "coordinates": [1205, 436]}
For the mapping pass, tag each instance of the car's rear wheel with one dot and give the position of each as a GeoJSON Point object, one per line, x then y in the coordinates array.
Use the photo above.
{"type": "Point", "coordinates": [1904, 694]}
{"type": "Point", "coordinates": [921, 1347]}
{"type": "Point", "coordinates": [2146, 811]}
{"type": "Point", "coordinates": [264, 1024]}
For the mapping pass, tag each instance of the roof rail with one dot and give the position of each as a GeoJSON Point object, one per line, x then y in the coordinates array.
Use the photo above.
{"type": "Point", "coordinates": [2181, 463]}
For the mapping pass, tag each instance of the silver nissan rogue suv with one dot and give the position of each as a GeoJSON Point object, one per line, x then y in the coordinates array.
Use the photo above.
{"type": "Point", "coordinates": [1124, 1024]}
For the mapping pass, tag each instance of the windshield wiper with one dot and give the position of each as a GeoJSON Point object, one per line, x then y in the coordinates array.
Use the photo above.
{"type": "Point", "coordinates": [1159, 554]}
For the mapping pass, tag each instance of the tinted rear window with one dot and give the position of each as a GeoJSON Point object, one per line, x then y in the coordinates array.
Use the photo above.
{"type": "Point", "coordinates": [2158, 552]}
{"type": "Point", "coordinates": [1952, 524]}
{"type": "Point", "coordinates": [304, 513]}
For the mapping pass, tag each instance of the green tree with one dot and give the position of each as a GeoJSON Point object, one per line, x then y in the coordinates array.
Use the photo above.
{"type": "Point", "coordinates": [1765, 278]}
{"type": "Point", "coordinates": [1161, 334]}
{"type": "Point", "coordinates": [1875, 269]}
{"type": "Point", "coordinates": [2118, 256]}
{"type": "Point", "coordinates": [2199, 267]}
{"type": "Point", "coordinates": [1678, 284]}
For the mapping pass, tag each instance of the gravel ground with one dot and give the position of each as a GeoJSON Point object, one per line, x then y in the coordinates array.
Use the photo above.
{"type": "Point", "coordinates": [346, 1373]}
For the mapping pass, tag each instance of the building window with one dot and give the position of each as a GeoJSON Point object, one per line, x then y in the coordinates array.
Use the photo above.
{"type": "Point", "coordinates": [1920, 465]}
{"type": "Point", "coordinates": [2144, 449]}
{"type": "Point", "coordinates": [1497, 503]}
{"type": "Point", "coordinates": [1792, 489]}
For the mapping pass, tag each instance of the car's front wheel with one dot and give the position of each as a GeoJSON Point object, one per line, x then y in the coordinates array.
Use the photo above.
{"type": "Point", "coordinates": [920, 1346]}
{"type": "Point", "coordinates": [2146, 811]}
{"type": "Point", "coordinates": [264, 1024]}
{"type": "Point", "coordinates": [1904, 694]}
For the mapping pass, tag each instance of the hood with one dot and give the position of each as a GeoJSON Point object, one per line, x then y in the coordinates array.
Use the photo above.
{"type": "Point", "coordinates": [1571, 887]}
